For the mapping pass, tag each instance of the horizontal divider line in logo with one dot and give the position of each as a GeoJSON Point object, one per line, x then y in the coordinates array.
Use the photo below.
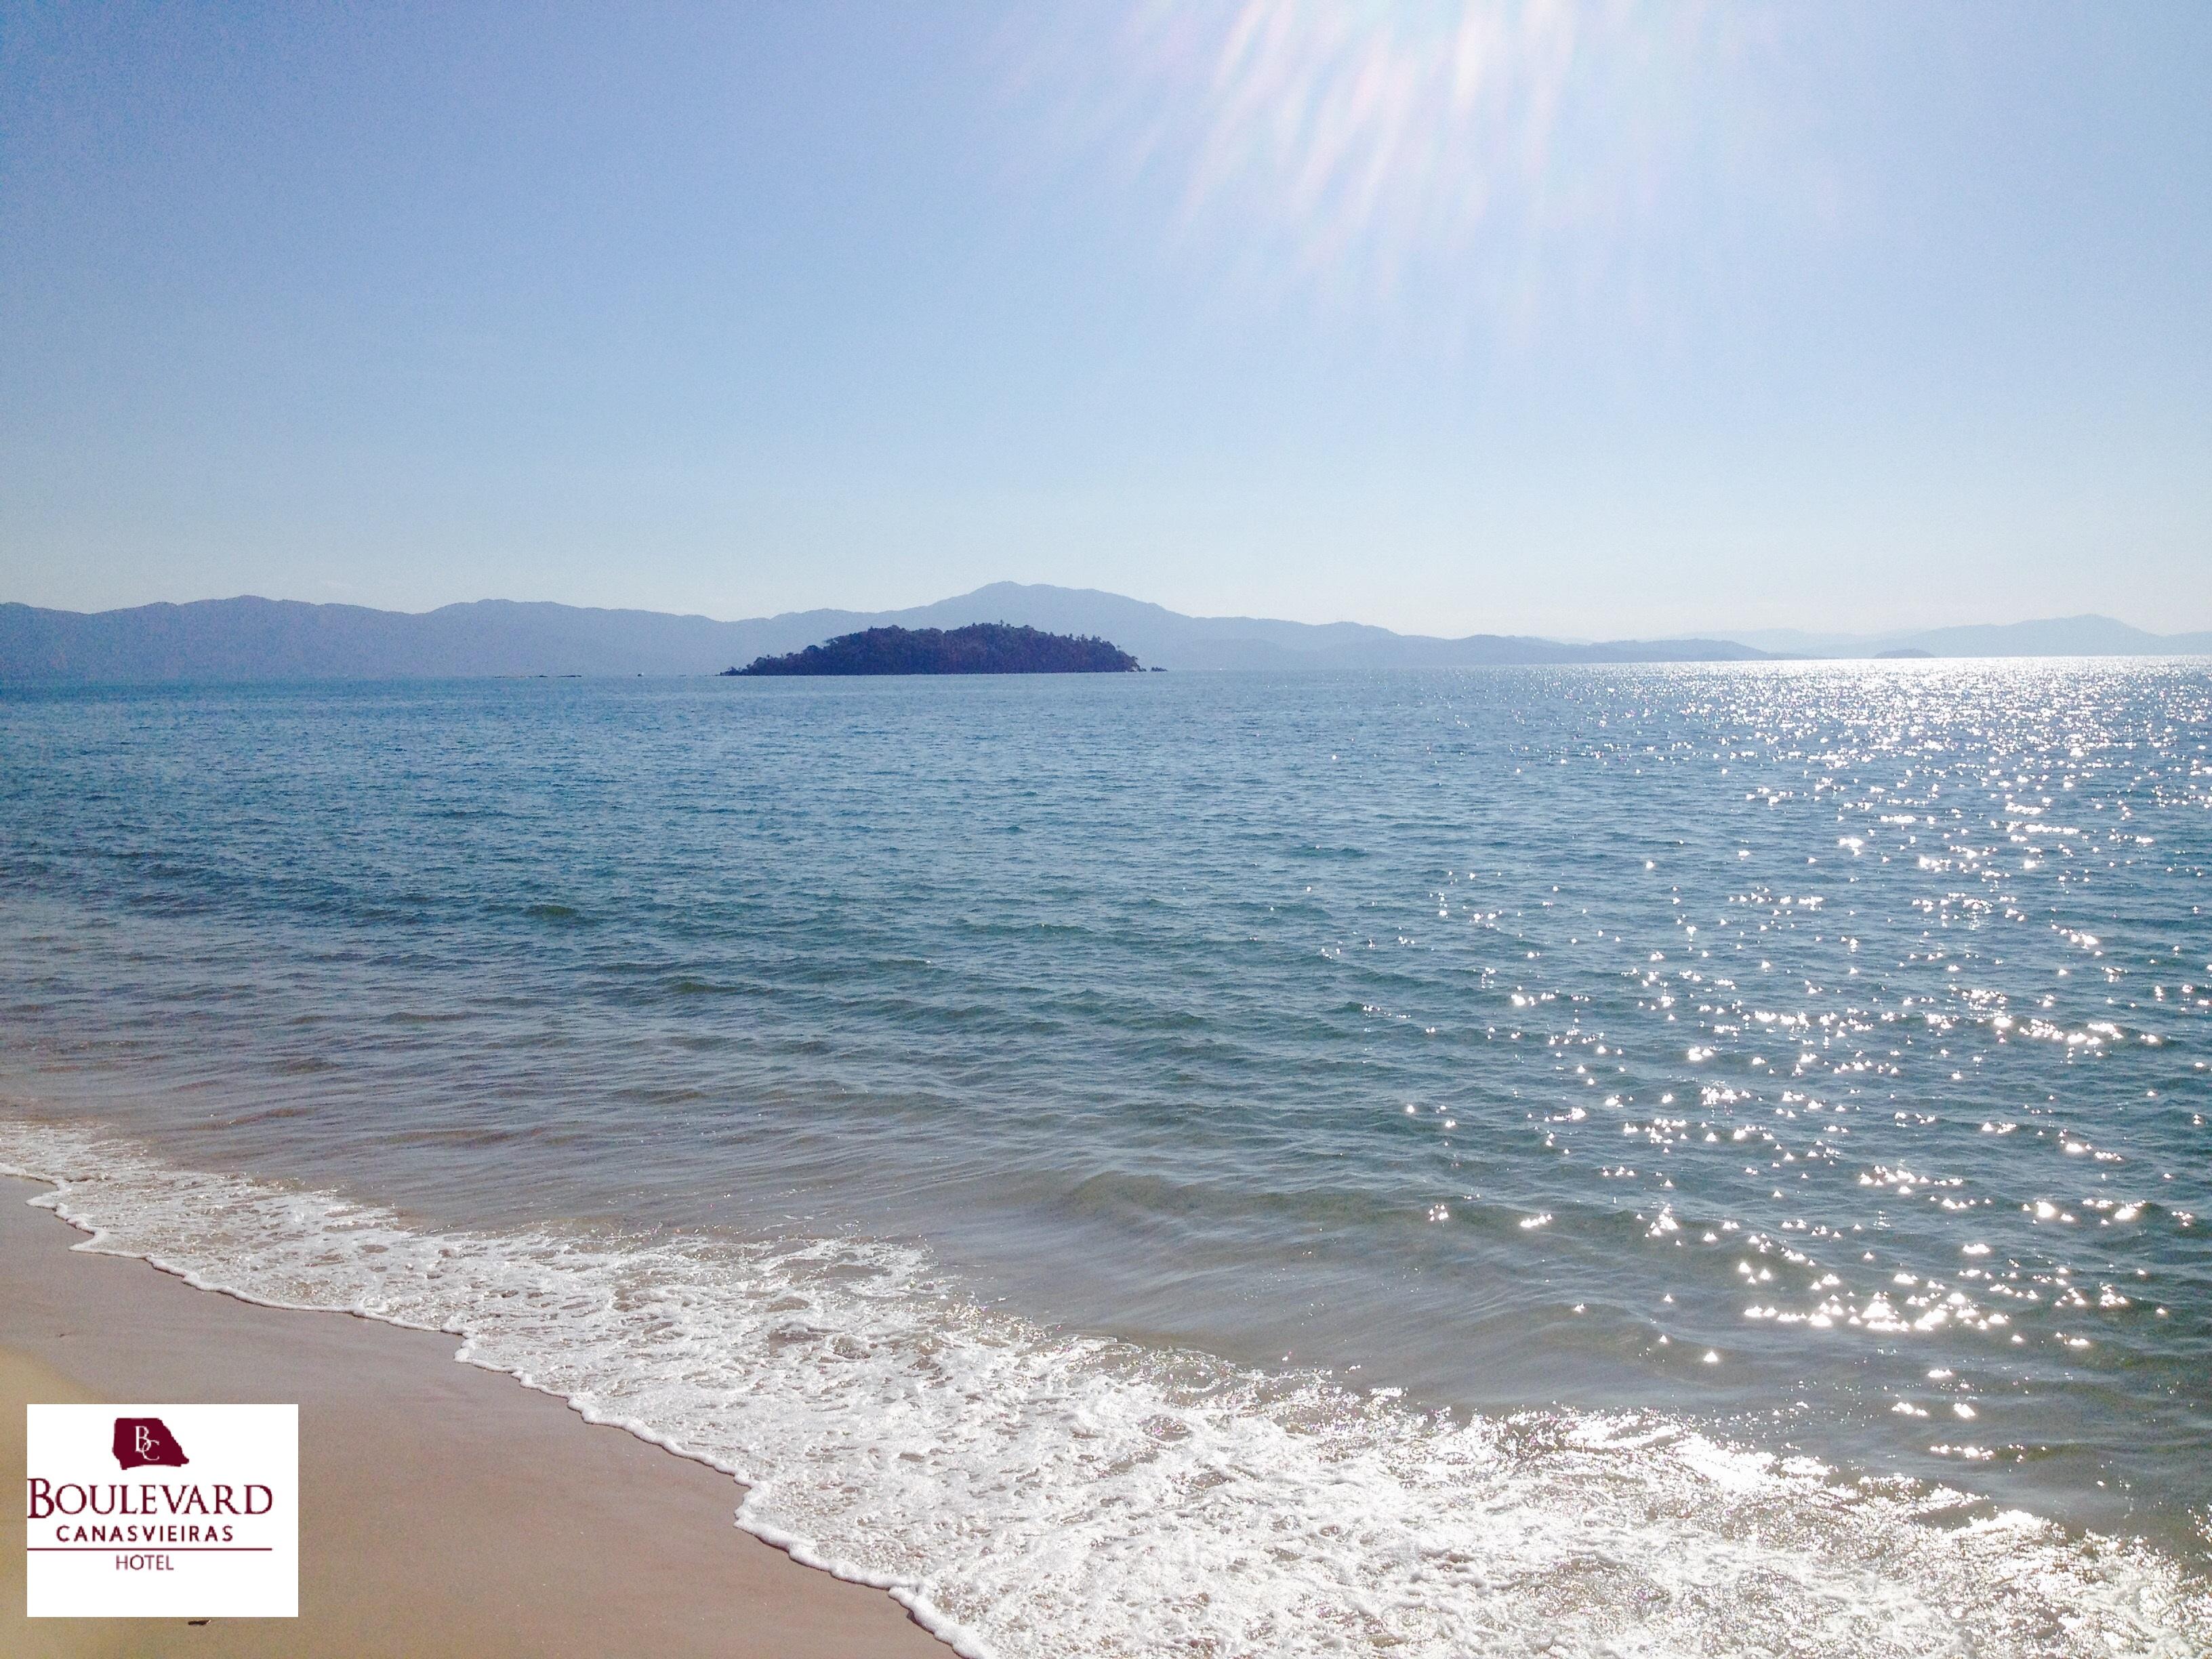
{"type": "Point", "coordinates": [152, 1549]}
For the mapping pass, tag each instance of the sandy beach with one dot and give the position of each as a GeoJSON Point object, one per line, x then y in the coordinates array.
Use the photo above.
{"type": "Point", "coordinates": [445, 1508]}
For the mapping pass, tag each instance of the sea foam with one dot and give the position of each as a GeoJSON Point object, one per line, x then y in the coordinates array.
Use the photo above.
{"type": "Point", "coordinates": [1026, 1492]}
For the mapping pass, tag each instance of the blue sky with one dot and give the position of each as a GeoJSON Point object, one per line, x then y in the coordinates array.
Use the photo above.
{"type": "Point", "coordinates": [1594, 320]}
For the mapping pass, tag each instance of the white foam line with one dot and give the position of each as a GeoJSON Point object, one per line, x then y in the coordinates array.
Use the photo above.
{"type": "Point", "coordinates": [1024, 1494]}
{"type": "Point", "coordinates": [98, 1241]}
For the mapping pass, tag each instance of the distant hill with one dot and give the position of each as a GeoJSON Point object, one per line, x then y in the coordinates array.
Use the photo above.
{"type": "Point", "coordinates": [2058, 636]}
{"type": "Point", "coordinates": [978, 648]}
{"type": "Point", "coordinates": [254, 638]}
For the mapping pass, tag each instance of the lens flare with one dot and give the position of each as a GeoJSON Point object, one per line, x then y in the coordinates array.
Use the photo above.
{"type": "Point", "coordinates": [1498, 148]}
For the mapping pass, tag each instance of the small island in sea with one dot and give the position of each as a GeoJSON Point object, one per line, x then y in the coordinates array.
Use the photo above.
{"type": "Point", "coordinates": [979, 649]}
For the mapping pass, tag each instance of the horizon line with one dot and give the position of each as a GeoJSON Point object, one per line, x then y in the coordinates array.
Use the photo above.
{"type": "Point", "coordinates": [1728, 635]}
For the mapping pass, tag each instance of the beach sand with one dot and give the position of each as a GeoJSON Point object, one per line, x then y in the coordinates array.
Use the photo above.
{"type": "Point", "coordinates": [445, 1508]}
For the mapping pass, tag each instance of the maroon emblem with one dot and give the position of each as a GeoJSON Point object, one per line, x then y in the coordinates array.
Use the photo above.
{"type": "Point", "coordinates": [142, 1440]}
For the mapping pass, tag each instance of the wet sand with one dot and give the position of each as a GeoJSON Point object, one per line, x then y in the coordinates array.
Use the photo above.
{"type": "Point", "coordinates": [446, 1509]}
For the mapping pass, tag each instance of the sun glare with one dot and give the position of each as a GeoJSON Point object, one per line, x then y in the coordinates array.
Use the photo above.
{"type": "Point", "coordinates": [1498, 149]}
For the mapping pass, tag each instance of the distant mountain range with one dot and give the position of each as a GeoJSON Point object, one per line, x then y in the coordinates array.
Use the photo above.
{"type": "Point", "coordinates": [2059, 636]}
{"type": "Point", "coordinates": [254, 639]}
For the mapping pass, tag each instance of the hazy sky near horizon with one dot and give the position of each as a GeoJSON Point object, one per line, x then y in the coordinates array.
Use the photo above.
{"type": "Point", "coordinates": [1598, 320]}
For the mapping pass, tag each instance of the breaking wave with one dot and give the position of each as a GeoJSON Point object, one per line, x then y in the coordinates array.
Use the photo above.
{"type": "Point", "coordinates": [1026, 1492]}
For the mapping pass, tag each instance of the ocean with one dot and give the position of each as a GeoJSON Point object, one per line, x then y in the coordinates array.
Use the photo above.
{"type": "Point", "coordinates": [1663, 1160]}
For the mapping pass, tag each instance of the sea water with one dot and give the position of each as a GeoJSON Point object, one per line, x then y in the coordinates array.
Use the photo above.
{"type": "Point", "coordinates": [1655, 1160]}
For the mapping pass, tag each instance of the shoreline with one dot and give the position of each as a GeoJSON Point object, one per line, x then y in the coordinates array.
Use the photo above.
{"type": "Point", "coordinates": [644, 1562]}
{"type": "Point", "coordinates": [447, 1509]}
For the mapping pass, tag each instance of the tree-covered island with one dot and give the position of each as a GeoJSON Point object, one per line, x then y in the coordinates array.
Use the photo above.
{"type": "Point", "coordinates": [979, 649]}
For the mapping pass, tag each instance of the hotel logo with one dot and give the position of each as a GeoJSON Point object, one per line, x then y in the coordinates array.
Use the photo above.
{"type": "Point", "coordinates": [140, 1441]}
{"type": "Point", "coordinates": [162, 1511]}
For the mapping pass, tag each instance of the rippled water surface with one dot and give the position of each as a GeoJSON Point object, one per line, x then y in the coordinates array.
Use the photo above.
{"type": "Point", "coordinates": [1736, 1112]}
